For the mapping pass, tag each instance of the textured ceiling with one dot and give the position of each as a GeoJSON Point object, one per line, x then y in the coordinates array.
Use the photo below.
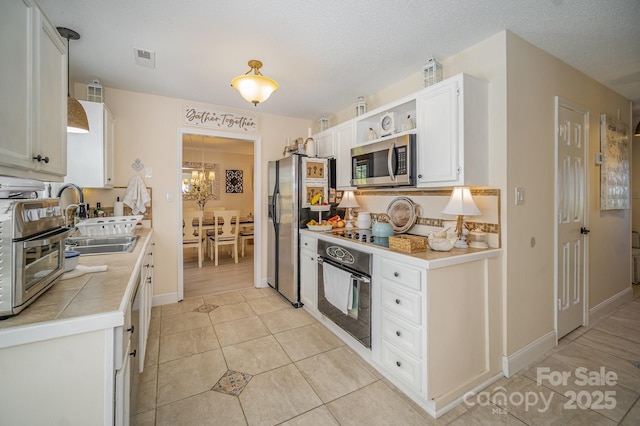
{"type": "Point", "coordinates": [324, 54]}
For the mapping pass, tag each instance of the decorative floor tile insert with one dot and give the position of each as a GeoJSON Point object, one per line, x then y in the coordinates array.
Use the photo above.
{"type": "Point", "coordinates": [205, 309]}
{"type": "Point", "coordinates": [232, 383]}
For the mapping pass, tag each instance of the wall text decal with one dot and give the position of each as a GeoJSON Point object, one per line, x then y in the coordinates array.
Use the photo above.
{"type": "Point", "coordinates": [219, 120]}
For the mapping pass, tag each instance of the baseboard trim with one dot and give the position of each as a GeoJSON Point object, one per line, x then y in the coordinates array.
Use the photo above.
{"type": "Point", "coordinates": [513, 363]}
{"type": "Point", "coordinates": [165, 299]}
{"type": "Point", "coordinates": [605, 307]}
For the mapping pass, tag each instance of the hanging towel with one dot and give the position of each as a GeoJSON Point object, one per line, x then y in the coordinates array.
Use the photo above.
{"type": "Point", "coordinates": [337, 287]}
{"type": "Point", "coordinates": [137, 195]}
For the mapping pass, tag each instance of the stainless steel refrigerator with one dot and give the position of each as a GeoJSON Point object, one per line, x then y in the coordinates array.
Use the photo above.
{"type": "Point", "coordinates": [286, 216]}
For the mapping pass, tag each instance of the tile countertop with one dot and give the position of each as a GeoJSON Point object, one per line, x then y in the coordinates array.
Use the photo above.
{"type": "Point", "coordinates": [88, 302]}
{"type": "Point", "coordinates": [427, 259]}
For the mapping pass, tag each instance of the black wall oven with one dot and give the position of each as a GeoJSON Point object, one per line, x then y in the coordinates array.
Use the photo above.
{"type": "Point", "coordinates": [344, 289]}
{"type": "Point", "coordinates": [32, 244]}
{"type": "Point", "coordinates": [387, 163]}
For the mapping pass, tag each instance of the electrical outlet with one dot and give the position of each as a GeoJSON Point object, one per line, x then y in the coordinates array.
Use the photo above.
{"type": "Point", "coordinates": [519, 196]}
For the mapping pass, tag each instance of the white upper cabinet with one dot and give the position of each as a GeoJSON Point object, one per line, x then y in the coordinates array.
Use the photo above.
{"type": "Point", "coordinates": [33, 86]}
{"type": "Point", "coordinates": [343, 140]}
{"type": "Point", "coordinates": [90, 155]}
{"type": "Point", "coordinates": [453, 133]}
{"type": "Point", "coordinates": [324, 144]}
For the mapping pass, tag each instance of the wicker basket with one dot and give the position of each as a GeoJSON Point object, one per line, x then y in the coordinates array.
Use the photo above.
{"type": "Point", "coordinates": [408, 243]}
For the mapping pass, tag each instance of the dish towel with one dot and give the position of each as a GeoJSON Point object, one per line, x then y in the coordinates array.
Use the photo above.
{"type": "Point", "coordinates": [337, 287]}
{"type": "Point", "coordinates": [137, 195]}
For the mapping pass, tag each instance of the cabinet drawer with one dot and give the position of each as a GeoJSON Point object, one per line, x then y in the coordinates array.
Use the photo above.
{"type": "Point", "coordinates": [401, 274]}
{"type": "Point", "coordinates": [402, 366]}
{"type": "Point", "coordinates": [403, 335]}
{"type": "Point", "coordinates": [308, 243]}
{"type": "Point", "coordinates": [401, 302]}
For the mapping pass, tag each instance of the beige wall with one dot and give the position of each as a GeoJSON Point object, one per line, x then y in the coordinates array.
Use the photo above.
{"type": "Point", "coordinates": [147, 128]}
{"type": "Point", "coordinates": [228, 161]}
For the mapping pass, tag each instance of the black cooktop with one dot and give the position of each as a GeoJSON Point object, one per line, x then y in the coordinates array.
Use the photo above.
{"type": "Point", "coordinates": [360, 235]}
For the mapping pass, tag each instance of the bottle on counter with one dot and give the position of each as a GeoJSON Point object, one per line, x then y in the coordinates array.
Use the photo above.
{"type": "Point", "coordinates": [98, 212]}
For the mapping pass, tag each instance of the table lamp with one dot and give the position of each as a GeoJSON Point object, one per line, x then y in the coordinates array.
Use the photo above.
{"type": "Point", "coordinates": [348, 202]}
{"type": "Point", "coordinates": [461, 204]}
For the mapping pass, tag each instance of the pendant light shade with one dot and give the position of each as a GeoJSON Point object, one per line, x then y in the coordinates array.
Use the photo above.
{"type": "Point", "coordinates": [76, 117]}
{"type": "Point", "coordinates": [77, 121]}
{"type": "Point", "coordinates": [254, 88]}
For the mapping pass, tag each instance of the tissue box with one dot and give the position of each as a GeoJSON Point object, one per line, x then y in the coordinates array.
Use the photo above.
{"type": "Point", "coordinates": [114, 225]}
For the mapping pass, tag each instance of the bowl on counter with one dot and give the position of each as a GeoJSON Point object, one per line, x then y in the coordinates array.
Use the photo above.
{"type": "Point", "coordinates": [71, 259]}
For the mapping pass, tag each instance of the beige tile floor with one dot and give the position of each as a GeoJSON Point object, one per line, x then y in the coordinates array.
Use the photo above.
{"type": "Point", "coordinates": [299, 373]}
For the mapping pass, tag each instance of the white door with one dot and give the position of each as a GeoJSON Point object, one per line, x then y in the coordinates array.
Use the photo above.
{"type": "Point", "coordinates": [571, 192]}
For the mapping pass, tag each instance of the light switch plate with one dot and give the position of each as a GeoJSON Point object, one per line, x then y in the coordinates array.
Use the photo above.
{"type": "Point", "coordinates": [519, 196]}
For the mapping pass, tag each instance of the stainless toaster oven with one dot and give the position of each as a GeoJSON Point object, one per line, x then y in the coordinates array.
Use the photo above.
{"type": "Point", "coordinates": [32, 243]}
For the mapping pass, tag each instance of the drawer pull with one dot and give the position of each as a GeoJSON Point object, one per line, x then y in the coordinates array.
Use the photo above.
{"type": "Point", "coordinates": [397, 301]}
{"type": "Point", "coordinates": [398, 333]}
{"type": "Point", "coordinates": [398, 363]}
{"type": "Point", "coordinates": [131, 330]}
{"type": "Point", "coordinates": [133, 354]}
{"type": "Point", "coordinates": [396, 274]}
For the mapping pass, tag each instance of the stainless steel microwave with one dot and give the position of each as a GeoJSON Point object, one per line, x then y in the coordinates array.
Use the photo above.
{"type": "Point", "coordinates": [387, 163]}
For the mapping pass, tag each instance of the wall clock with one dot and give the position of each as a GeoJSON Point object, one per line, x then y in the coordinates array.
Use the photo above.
{"type": "Point", "coordinates": [387, 124]}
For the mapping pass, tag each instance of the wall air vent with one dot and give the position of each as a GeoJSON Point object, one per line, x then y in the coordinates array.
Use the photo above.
{"type": "Point", "coordinates": [146, 58]}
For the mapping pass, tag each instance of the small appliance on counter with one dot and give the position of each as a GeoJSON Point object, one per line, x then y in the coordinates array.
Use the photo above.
{"type": "Point", "coordinates": [32, 248]}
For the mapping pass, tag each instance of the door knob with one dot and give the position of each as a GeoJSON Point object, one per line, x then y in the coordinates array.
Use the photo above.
{"type": "Point", "coordinates": [584, 230]}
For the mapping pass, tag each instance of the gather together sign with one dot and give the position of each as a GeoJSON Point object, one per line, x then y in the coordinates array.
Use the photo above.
{"type": "Point", "coordinates": [219, 120]}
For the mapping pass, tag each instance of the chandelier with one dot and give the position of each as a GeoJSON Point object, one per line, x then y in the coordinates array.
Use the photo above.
{"type": "Point", "coordinates": [254, 88]}
{"type": "Point", "coordinates": [199, 186]}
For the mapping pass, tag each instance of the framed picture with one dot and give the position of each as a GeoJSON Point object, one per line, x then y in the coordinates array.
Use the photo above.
{"type": "Point", "coordinates": [234, 182]}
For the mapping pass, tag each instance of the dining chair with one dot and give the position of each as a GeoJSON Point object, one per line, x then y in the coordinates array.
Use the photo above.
{"type": "Point", "coordinates": [225, 233]}
{"type": "Point", "coordinates": [192, 236]}
{"type": "Point", "coordinates": [245, 236]}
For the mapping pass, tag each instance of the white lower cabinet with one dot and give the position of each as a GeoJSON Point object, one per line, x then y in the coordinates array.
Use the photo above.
{"type": "Point", "coordinates": [435, 326]}
{"type": "Point", "coordinates": [308, 271]}
{"type": "Point", "coordinates": [402, 325]}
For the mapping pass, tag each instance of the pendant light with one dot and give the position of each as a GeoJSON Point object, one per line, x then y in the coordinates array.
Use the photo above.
{"type": "Point", "coordinates": [77, 121]}
{"type": "Point", "coordinates": [255, 88]}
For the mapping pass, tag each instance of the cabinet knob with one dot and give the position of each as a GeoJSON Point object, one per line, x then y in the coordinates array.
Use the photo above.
{"type": "Point", "coordinates": [419, 176]}
{"type": "Point", "coordinates": [398, 333]}
{"type": "Point", "coordinates": [149, 280]}
{"type": "Point", "coordinates": [132, 329]}
{"type": "Point", "coordinates": [397, 301]}
{"type": "Point", "coordinates": [396, 274]}
{"type": "Point", "coordinates": [398, 363]}
{"type": "Point", "coordinates": [134, 353]}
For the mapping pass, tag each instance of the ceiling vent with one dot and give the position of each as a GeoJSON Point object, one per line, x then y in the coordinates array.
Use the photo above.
{"type": "Point", "coordinates": [146, 58]}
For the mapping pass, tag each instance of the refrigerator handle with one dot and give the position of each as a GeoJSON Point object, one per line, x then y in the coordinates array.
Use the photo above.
{"type": "Point", "coordinates": [278, 207]}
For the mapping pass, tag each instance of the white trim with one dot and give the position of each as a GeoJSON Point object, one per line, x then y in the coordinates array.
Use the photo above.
{"type": "Point", "coordinates": [524, 356]}
{"type": "Point", "coordinates": [461, 400]}
{"type": "Point", "coordinates": [165, 298]}
{"type": "Point", "coordinates": [55, 329]}
{"type": "Point", "coordinates": [605, 307]}
{"type": "Point", "coordinates": [257, 202]}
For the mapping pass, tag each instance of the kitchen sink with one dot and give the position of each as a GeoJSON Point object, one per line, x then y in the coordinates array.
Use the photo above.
{"type": "Point", "coordinates": [103, 245]}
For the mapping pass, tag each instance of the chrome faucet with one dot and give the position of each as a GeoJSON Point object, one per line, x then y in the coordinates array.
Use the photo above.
{"type": "Point", "coordinates": [81, 212]}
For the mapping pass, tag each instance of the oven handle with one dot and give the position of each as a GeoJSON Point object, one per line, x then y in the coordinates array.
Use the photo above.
{"type": "Point", "coordinates": [47, 239]}
{"type": "Point", "coordinates": [354, 275]}
{"type": "Point", "coordinates": [390, 161]}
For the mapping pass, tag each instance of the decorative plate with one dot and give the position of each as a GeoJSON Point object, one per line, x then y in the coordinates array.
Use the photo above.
{"type": "Point", "coordinates": [402, 214]}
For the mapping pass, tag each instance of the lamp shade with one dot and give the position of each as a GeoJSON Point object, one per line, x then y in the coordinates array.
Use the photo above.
{"type": "Point", "coordinates": [77, 121]}
{"type": "Point", "coordinates": [254, 88]}
{"type": "Point", "coordinates": [461, 203]}
{"type": "Point", "coordinates": [348, 201]}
